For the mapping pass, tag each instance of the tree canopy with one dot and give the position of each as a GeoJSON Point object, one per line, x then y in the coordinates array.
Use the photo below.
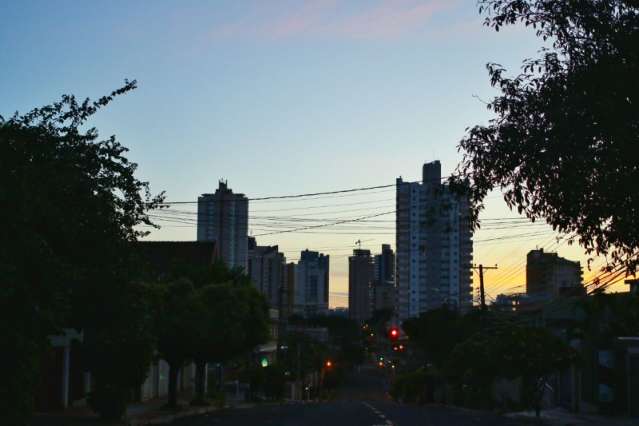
{"type": "Point", "coordinates": [564, 141]}
{"type": "Point", "coordinates": [72, 203]}
{"type": "Point", "coordinates": [511, 351]}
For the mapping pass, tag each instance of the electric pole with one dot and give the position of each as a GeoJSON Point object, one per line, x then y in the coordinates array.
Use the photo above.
{"type": "Point", "coordinates": [482, 292]}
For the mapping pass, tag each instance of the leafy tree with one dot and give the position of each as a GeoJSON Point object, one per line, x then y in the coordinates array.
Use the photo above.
{"type": "Point", "coordinates": [345, 335]}
{"type": "Point", "coordinates": [563, 144]}
{"type": "Point", "coordinates": [510, 352]}
{"type": "Point", "coordinates": [176, 329]}
{"type": "Point", "coordinates": [304, 355]}
{"type": "Point", "coordinates": [72, 204]}
{"type": "Point", "coordinates": [435, 333]}
{"type": "Point", "coordinates": [219, 329]}
{"type": "Point", "coordinates": [121, 351]}
{"type": "Point", "coordinates": [256, 322]}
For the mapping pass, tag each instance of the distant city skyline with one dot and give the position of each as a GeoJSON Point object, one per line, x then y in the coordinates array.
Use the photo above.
{"type": "Point", "coordinates": [286, 98]}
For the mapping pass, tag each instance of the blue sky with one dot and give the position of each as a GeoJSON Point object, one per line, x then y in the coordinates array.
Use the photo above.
{"type": "Point", "coordinates": [277, 97]}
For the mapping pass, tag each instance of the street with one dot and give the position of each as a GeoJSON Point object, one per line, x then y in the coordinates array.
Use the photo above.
{"type": "Point", "coordinates": [360, 401]}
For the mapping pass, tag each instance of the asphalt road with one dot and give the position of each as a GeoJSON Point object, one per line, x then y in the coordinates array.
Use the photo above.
{"type": "Point", "coordinates": [362, 401]}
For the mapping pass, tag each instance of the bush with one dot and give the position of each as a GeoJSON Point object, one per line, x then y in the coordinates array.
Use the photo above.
{"type": "Point", "coordinates": [416, 387]}
{"type": "Point", "coordinates": [274, 382]}
{"type": "Point", "coordinates": [109, 401]}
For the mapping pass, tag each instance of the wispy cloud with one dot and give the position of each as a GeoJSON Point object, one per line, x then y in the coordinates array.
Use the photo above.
{"type": "Point", "coordinates": [382, 19]}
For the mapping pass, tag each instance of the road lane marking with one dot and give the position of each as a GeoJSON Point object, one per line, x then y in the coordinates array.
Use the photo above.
{"type": "Point", "coordinates": [386, 422]}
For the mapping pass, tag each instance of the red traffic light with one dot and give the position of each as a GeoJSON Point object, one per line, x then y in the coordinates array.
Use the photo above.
{"type": "Point", "coordinates": [328, 364]}
{"type": "Point", "coordinates": [393, 333]}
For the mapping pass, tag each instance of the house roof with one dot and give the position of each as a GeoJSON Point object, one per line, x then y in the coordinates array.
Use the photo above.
{"type": "Point", "coordinates": [161, 256]}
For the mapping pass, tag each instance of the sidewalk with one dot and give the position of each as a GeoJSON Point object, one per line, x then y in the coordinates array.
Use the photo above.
{"type": "Point", "coordinates": [149, 412]}
{"type": "Point", "coordinates": [563, 417]}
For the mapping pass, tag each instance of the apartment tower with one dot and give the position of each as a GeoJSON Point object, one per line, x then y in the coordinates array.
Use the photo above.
{"type": "Point", "coordinates": [434, 246]}
{"type": "Point", "coordinates": [223, 217]}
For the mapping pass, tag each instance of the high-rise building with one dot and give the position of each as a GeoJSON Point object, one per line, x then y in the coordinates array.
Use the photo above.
{"type": "Point", "coordinates": [266, 268]}
{"type": "Point", "coordinates": [289, 284]}
{"type": "Point", "coordinates": [383, 291]}
{"type": "Point", "coordinates": [360, 285]}
{"type": "Point", "coordinates": [385, 265]}
{"type": "Point", "coordinates": [311, 284]}
{"type": "Point", "coordinates": [434, 246]}
{"type": "Point", "coordinates": [223, 217]}
{"type": "Point", "coordinates": [383, 296]}
{"type": "Point", "coordinates": [549, 276]}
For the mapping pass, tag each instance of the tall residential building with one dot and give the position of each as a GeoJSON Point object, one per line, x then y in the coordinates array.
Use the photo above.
{"type": "Point", "coordinates": [434, 246]}
{"type": "Point", "coordinates": [289, 284]}
{"type": "Point", "coordinates": [360, 285]}
{"type": "Point", "coordinates": [549, 276]}
{"type": "Point", "coordinates": [266, 268]}
{"type": "Point", "coordinates": [311, 284]}
{"type": "Point", "coordinates": [385, 265]}
{"type": "Point", "coordinates": [383, 292]}
{"type": "Point", "coordinates": [383, 296]}
{"type": "Point", "coordinates": [223, 217]}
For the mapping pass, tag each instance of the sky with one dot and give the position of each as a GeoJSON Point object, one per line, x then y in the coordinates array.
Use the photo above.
{"type": "Point", "coordinates": [280, 97]}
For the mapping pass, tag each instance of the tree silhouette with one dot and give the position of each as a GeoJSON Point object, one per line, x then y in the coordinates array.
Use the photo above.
{"type": "Point", "coordinates": [563, 145]}
{"type": "Point", "coordinates": [71, 204]}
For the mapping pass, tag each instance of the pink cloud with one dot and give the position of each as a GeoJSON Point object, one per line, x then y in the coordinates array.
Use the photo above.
{"type": "Point", "coordinates": [383, 19]}
{"type": "Point", "coordinates": [391, 19]}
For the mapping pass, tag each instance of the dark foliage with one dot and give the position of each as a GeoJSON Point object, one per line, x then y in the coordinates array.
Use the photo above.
{"type": "Point", "coordinates": [71, 204]}
{"type": "Point", "coordinates": [509, 351]}
{"type": "Point", "coordinates": [563, 145]}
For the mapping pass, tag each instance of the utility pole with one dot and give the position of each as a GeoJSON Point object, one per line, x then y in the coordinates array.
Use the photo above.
{"type": "Point", "coordinates": [482, 293]}
{"type": "Point", "coordinates": [299, 370]}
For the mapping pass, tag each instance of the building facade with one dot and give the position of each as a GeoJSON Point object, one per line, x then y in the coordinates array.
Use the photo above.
{"type": "Point", "coordinates": [434, 246]}
{"type": "Point", "coordinates": [383, 296]}
{"type": "Point", "coordinates": [360, 285]}
{"type": "Point", "coordinates": [288, 308]}
{"type": "Point", "coordinates": [267, 270]}
{"type": "Point", "coordinates": [548, 276]}
{"type": "Point", "coordinates": [311, 284]}
{"type": "Point", "coordinates": [223, 217]}
{"type": "Point", "coordinates": [384, 293]}
{"type": "Point", "coordinates": [385, 265]}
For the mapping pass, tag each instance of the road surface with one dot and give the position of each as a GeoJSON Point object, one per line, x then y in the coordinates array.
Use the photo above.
{"type": "Point", "coordinates": [361, 401]}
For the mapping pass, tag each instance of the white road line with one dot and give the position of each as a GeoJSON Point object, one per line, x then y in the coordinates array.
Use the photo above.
{"type": "Point", "coordinates": [379, 414]}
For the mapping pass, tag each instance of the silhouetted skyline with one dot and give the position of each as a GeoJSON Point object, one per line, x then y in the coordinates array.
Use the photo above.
{"type": "Point", "coordinates": [291, 97]}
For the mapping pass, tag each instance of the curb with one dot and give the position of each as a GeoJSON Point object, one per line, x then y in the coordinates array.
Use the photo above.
{"type": "Point", "coordinates": [168, 418]}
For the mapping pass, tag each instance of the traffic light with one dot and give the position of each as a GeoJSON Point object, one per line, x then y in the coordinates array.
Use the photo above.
{"type": "Point", "coordinates": [328, 363]}
{"type": "Point", "coordinates": [393, 333]}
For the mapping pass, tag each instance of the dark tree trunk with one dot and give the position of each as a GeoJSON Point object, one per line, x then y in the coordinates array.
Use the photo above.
{"type": "Point", "coordinates": [174, 369]}
{"type": "Point", "coordinates": [200, 383]}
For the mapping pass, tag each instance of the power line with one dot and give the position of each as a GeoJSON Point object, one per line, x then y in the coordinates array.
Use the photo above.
{"type": "Point", "coordinates": [312, 194]}
{"type": "Point", "coordinates": [303, 228]}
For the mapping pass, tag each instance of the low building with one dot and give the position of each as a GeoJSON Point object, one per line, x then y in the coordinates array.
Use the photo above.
{"type": "Point", "coordinates": [549, 276]}
{"type": "Point", "coordinates": [160, 259]}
